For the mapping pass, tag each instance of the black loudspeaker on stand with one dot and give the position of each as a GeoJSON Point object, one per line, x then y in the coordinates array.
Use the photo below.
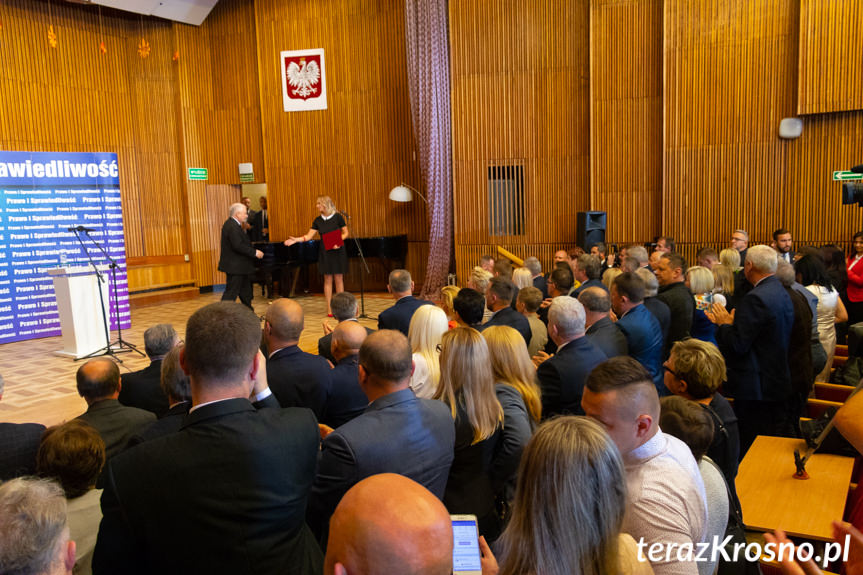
{"type": "Point", "coordinates": [590, 229]}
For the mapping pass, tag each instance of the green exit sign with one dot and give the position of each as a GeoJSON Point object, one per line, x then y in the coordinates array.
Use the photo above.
{"type": "Point", "coordinates": [197, 173]}
{"type": "Point", "coordinates": [842, 176]}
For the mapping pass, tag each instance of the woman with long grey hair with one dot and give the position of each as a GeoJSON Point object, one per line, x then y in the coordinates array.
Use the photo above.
{"type": "Point", "coordinates": [569, 506]}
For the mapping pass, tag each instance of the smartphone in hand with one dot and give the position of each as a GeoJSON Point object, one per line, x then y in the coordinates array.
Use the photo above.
{"type": "Point", "coordinates": [465, 550]}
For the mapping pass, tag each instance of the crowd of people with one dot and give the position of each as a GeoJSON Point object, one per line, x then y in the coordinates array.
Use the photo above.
{"type": "Point", "coordinates": [581, 415]}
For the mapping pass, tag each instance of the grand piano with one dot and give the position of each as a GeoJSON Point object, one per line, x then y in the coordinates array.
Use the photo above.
{"type": "Point", "coordinates": [279, 258]}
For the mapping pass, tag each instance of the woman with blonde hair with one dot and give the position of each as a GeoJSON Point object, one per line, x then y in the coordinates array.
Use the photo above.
{"type": "Point", "coordinates": [609, 275]}
{"type": "Point", "coordinates": [467, 387]}
{"type": "Point", "coordinates": [332, 262]}
{"type": "Point", "coordinates": [518, 393]}
{"type": "Point", "coordinates": [731, 258]}
{"type": "Point", "coordinates": [700, 282]}
{"type": "Point", "coordinates": [569, 506]}
{"type": "Point", "coordinates": [723, 283]}
{"type": "Point", "coordinates": [447, 296]}
{"type": "Point", "coordinates": [522, 278]}
{"type": "Point", "coordinates": [427, 326]}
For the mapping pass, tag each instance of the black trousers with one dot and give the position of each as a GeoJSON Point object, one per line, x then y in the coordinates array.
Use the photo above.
{"type": "Point", "coordinates": [239, 285]}
{"type": "Point", "coordinates": [756, 418]}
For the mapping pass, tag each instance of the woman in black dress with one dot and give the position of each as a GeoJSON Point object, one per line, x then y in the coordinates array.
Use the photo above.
{"type": "Point", "coordinates": [332, 263]}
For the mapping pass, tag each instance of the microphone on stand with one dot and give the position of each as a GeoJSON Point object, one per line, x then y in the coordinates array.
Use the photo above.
{"type": "Point", "coordinates": [80, 229]}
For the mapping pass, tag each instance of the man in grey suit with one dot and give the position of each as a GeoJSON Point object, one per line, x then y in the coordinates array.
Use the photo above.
{"type": "Point", "coordinates": [397, 433]}
{"type": "Point", "coordinates": [99, 384]}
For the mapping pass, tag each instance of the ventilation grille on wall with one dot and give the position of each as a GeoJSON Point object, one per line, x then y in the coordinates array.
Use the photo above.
{"type": "Point", "coordinates": [506, 200]}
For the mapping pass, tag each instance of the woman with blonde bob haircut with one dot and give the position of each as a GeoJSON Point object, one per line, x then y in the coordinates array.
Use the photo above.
{"type": "Point", "coordinates": [467, 387]}
{"type": "Point", "coordinates": [428, 325]}
{"type": "Point", "coordinates": [569, 506]}
{"type": "Point", "coordinates": [522, 278]}
{"type": "Point", "coordinates": [700, 281]}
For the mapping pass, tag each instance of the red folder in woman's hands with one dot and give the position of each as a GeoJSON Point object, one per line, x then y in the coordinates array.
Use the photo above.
{"type": "Point", "coordinates": [332, 240]}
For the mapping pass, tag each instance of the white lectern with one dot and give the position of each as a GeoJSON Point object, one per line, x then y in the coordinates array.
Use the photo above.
{"type": "Point", "coordinates": [81, 319]}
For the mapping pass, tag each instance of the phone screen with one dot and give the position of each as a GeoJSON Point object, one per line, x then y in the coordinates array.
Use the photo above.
{"type": "Point", "coordinates": [465, 553]}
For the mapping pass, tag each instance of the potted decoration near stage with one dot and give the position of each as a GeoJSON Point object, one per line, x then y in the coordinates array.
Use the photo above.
{"type": "Point", "coordinates": [304, 80]}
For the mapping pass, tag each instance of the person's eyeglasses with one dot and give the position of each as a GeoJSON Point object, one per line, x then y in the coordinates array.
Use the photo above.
{"type": "Point", "coordinates": [671, 371]}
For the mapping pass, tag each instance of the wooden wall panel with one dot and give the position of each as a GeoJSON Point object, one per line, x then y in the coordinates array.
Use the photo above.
{"type": "Point", "coordinates": [830, 63]}
{"type": "Point", "coordinates": [626, 116]}
{"type": "Point", "coordinates": [520, 74]}
{"type": "Point", "coordinates": [730, 73]}
{"type": "Point", "coordinates": [217, 75]}
{"type": "Point", "coordinates": [362, 145]}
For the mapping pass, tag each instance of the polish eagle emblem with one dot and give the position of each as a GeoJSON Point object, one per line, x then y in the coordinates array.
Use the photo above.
{"type": "Point", "coordinates": [304, 78]}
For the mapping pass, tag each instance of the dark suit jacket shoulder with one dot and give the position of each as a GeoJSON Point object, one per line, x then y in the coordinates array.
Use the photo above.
{"type": "Point", "coordinates": [680, 302]}
{"type": "Point", "coordinates": [345, 398]}
{"type": "Point", "coordinates": [237, 255]}
{"type": "Point", "coordinates": [561, 378]}
{"type": "Point", "coordinates": [299, 379]}
{"type": "Point", "coordinates": [660, 311]}
{"type": "Point", "coordinates": [399, 315]}
{"type": "Point", "coordinates": [398, 433]}
{"type": "Point", "coordinates": [141, 389]}
{"type": "Point", "coordinates": [19, 443]}
{"type": "Point", "coordinates": [644, 338]}
{"type": "Point", "coordinates": [231, 485]}
{"type": "Point", "coordinates": [605, 335]}
{"type": "Point", "coordinates": [116, 423]}
{"type": "Point", "coordinates": [511, 318]}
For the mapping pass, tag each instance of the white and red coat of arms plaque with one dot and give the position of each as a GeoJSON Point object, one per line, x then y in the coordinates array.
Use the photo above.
{"type": "Point", "coordinates": [304, 81]}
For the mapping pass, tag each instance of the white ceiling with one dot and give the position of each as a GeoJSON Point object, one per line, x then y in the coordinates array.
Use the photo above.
{"type": "Point", "coordinates": [187, 11]}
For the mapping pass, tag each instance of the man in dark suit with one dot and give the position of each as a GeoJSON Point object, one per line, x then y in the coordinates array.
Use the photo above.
{"type": "Point", "coordinates": [260, 222]}
{"type": "Point", "coordinates": [345, 398]}
{"type": "Point", "coordinates": [587, 270]}
{"type": "Point", "coordinates": [784, 245]}
{"type": "Point", "coordinates": [237, 257]}
{"type": "Point", "coordinates": [601, 331]}
{"type": "Point", "coordinates": [642, 331]}
{"type": "Point", "coordinates": [539, 281]}
{"type": "Point", "coordinates": [344, 308]}
{"type": "Point", "coordinates": [175, 385]}
{"type": "Point", "coordinates": [98, 383]}
{"type": "Point", "coordinates": [231, 485]}
{"type": "Point", "coordinates": [671, 273]}
{"type": "Point", "coordinates": [498, 298]}
{"type": "Point", "coordinates": [658, 308]}
{"type": "Point", "coordinates": [142, 388]}
{"type": "Point", "coordinates": [19, 443]}
{"type": "Point", "coordinates": [754, 340]}
{"type": "Point", "coordinates": [297, 378]}
{"type": "Point", "coordinates": [397, 433]}
{"type": "Point", "coordinates": [562, 376]}
{"type": "Point", "coordinates": [399, 316]}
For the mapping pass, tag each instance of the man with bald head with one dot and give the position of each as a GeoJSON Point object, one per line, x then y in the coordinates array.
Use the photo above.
{"type": "Point", "coordinates": [386, 524]}
{"type": "Point", "coordinates": [665, 492]}
{"type": "Point", "coordinates": [397, 433]}
{"type": "Point", "coordinates": [345, 399]}
{"type": "Point", "coordinates": [297, 378]}
{"type": "Point", "coordinates": [98, 383]}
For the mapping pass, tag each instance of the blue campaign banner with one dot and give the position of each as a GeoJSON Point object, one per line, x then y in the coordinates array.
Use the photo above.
{"type": "Point", "coordinates": [42, 196]}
